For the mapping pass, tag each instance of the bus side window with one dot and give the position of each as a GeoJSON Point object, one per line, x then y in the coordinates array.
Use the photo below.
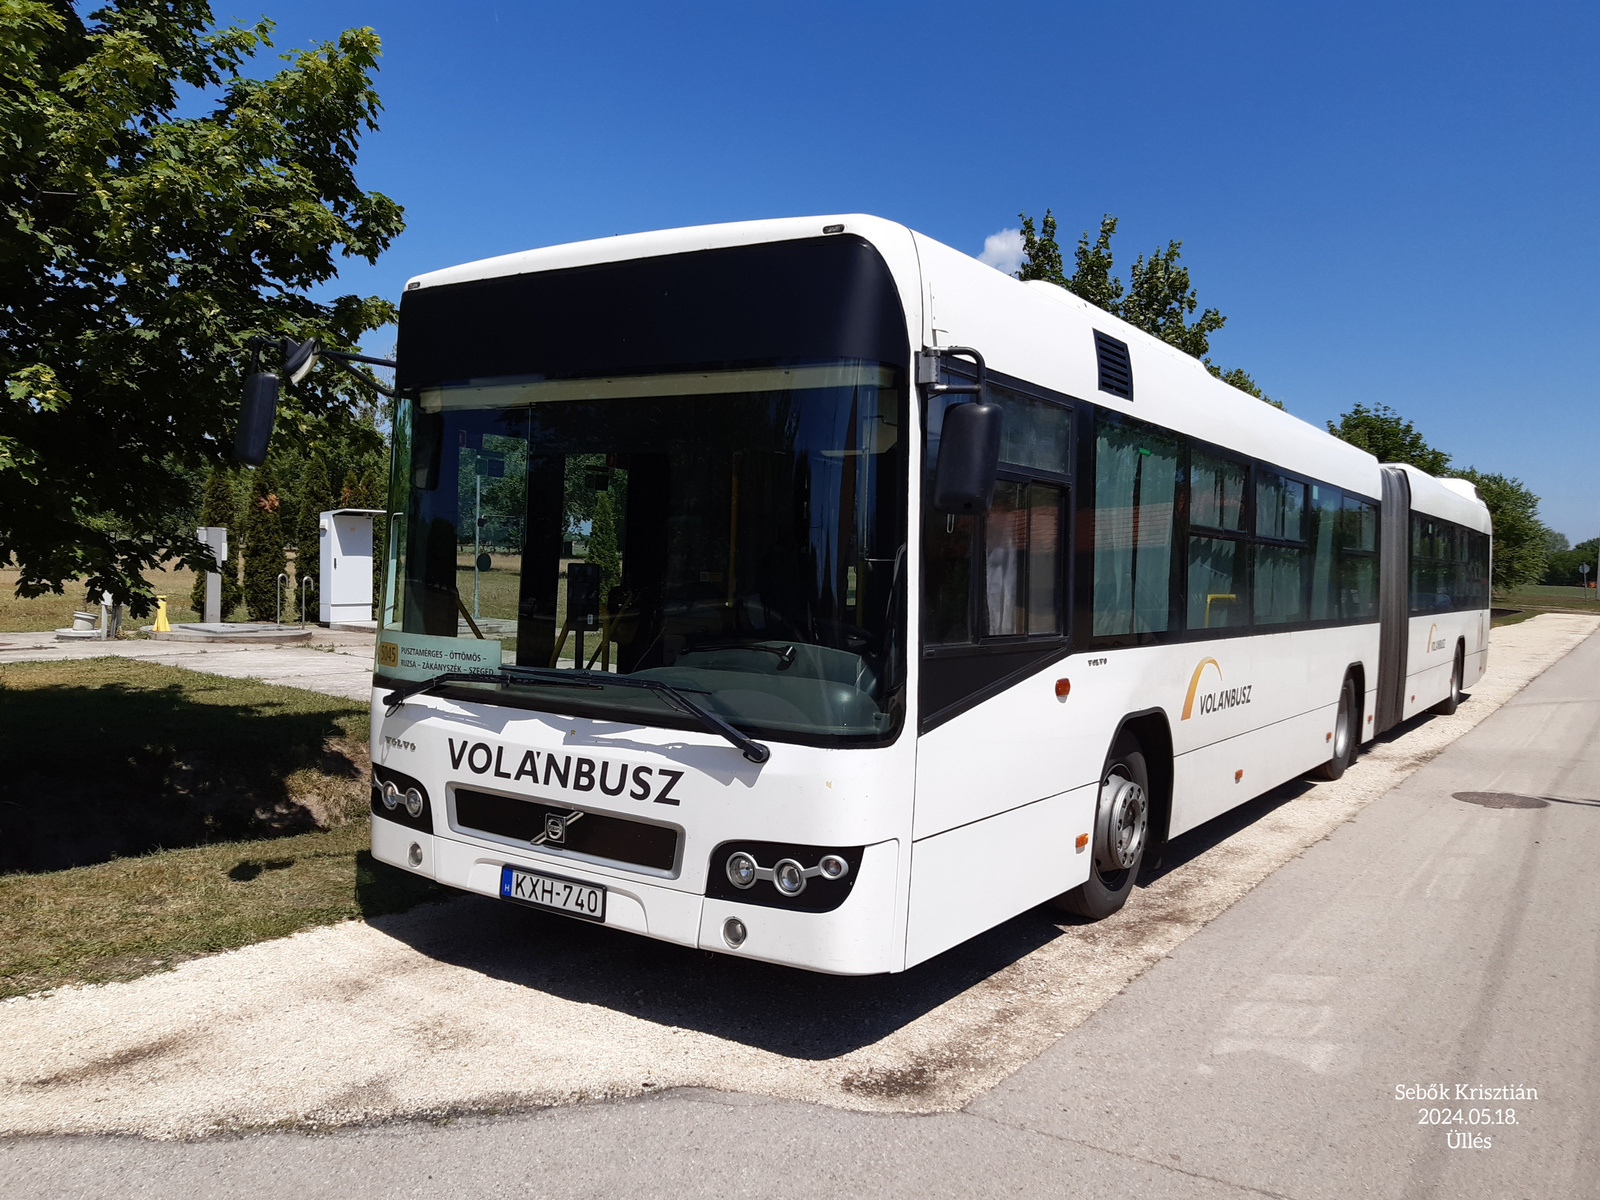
{"type": "Point", "coordinates": [947, 575]}
{"type": "Point", "coordinates": [1325, 504]}
{"type": "Point", "coordinates": [1022, 560]}
{"type": "Point", "coordinates": [1358, 561]}
{"type": "Point", "coordinates": [1135, 492]}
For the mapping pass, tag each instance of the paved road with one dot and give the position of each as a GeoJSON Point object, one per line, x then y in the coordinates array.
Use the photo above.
{"type": "Point", "coordinates": [1431, 941]}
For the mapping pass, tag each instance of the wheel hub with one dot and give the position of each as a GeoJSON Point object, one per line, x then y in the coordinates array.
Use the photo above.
{"type": "Point", "coordinates": [1121, 822]}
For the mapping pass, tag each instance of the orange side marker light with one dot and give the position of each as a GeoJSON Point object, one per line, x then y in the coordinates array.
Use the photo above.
{"type": "Point", "coordinates": [1063, 687]}
{"type": "Point", "coordinates": [1237, 776]}
{"type": "Point", "coordinates": [1083, 840]}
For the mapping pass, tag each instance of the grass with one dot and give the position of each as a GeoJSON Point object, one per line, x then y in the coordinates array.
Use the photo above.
{"type": "Point", "coordinates": [150, 814]}
{"type": "Point", "coordinates": [1552, 599]}
{"type": "Point", "coordinates": [41, 613]}
{"type": "Point", "coordinates": [1533, 599]}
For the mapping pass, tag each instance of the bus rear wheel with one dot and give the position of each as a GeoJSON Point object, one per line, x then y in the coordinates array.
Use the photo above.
{"type": "Point", "coordinates": [1346, 731]}
{"type": "Point", "coordinates": [1457, 670]}
{"type": "Point", "coordinates": [1121, 833]}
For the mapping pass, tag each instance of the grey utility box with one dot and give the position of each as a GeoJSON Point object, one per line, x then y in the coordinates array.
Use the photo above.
{"type": "Point", "coordinates": [344, 589]}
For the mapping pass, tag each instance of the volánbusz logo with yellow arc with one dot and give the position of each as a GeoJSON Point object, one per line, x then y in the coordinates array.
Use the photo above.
{"type": "Point", "coordinates": [1210, 702]}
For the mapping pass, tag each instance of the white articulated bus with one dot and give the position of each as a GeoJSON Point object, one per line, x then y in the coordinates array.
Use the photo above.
{"type": "Point", "coordinates": [809, 591]}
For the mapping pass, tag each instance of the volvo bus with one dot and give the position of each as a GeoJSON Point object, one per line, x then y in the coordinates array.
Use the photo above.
{"type": "Point", "coordinates": [809, 591]}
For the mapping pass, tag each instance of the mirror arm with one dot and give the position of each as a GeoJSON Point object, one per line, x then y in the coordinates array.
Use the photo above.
{"type": "Point", "coordinates": [928, 372]}
{"type": "Point", "coordinates": [344, 360]}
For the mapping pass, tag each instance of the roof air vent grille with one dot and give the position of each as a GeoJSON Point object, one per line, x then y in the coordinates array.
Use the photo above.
{"type": "Point", "coordinates": [1116, 369]}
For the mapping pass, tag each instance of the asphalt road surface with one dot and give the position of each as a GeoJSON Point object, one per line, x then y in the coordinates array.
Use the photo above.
{"type": "Point", "coordinates": [1448, 938]}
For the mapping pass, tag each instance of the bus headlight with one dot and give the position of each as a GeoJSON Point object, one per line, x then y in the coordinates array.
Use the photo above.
{"type": "Point", "coordinates": [391, 795]}
{"type": "Point", "coordinates": [833, 867]}
{"type": "Point", "coordinates": [413, 803]}
{"type": "Point", "coordinates": [789, 877]}
{"type": "Point", "coordinates": [741, 870]}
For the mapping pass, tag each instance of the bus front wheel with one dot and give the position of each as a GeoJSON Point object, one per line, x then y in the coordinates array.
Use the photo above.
{"type": "Point", "coordinates": [1121, 832]}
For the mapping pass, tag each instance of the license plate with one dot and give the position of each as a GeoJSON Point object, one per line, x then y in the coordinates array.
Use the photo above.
{"type": "Point", "coordinates": [584, 900]}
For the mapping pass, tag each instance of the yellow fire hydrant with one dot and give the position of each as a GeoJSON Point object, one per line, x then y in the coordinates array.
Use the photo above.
{"type": "Point", "coordinates": [161, 625]}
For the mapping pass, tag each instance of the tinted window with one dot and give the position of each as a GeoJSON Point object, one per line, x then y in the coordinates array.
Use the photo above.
{"type": "Point", "coordinates": [1325, 507]}
{"type": "Point", "coordinates": [1280, 584]}
{"type": "Point", "coordinates": [1218, 598]}
{"type": "Point", "coordinates": [947, 578]}
{"type": "Point", "coordinates": [1022, 560]}
{"type": "Point", "coordinates": [1034, 433]}
{"type": "Point", "coordinates": [1280, 507]}
{"type": "Point", "coordinates": [1135, 493]}
{"type": "Point", "coordinates": [1216, 492]}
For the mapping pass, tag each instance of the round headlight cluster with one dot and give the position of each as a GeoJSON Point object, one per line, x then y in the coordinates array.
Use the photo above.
{"type": "Point", "coordinates": [413, 803]}
{"type": "Point", "coordinates": [391, 795]}
{"type": "Point", "coordinates": [394, 798]}
{"type": "Point", "coordinates": [788, 875]}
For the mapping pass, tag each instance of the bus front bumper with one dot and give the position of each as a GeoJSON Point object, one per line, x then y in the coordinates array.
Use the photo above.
{"type": "Point", "coordinates": [857, 938]}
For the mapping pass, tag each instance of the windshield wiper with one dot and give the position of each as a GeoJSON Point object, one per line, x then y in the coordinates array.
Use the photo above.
{"type": "Point", "coordinates": [595, 680]}
{"type": "Point", "coordinates": [400, 693]}
{"type": "Point", "coordinates": [749, 747]}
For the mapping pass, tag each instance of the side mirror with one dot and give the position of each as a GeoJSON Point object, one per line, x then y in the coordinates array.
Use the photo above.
{"type": "Point", "coordinates": [257, 412]}
{"type": "Point", "coordinates": [969, 457]}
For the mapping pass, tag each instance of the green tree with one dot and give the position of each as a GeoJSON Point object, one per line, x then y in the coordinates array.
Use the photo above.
{"type": "Point", "coordinates": [1041, 254]}
{"type": "Point", "coordinates": [1521, 544]}
{"type": "Point", "coordinates": [264, 559]}
{"type": "Point", "coordinates": [1091, 276]}
{"type": "Point", "coordinates": [1238, 378]}
{"type": "Point", "coordinates": [218, 508]}
{"type": "Point", "coordinates": [603, 544]}
{"type": "Point", "coordinates": [1383, 433]}
{"type": "Point", "coordinates": [1160, 301]}
{"type": "Point", "coordinates": [1562, 567]}
{"type": "Point", "coordinates": [141, 247]}
{"type": "Point", "coordinates": [316, 498]}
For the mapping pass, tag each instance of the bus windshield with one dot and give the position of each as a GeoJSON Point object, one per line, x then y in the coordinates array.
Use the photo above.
{"type": "Point", "coordinates": [736, 533]}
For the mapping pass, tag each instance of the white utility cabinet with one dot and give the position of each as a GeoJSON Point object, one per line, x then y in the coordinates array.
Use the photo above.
{"type": "Point", "coordinates": [344, 589]}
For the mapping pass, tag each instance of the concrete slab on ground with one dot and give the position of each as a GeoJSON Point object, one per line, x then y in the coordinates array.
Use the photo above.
{"type": "Point", "coordinates": [334, 663]}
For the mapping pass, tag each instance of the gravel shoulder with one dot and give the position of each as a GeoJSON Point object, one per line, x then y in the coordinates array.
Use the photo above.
{"type": "Point", "coordinates": [474, 1006]}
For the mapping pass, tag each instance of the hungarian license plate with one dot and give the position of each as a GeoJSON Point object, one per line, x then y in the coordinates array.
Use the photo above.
{"type": "Point", "coordinates": [550, 891]}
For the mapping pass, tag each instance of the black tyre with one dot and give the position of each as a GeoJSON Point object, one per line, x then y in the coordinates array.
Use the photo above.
{"type": "Point", "coordinates": [1346, 732]}
{"type": "Point", "coordinates": [1121, 835]}
{"type": "Point", "coordinates": [1458, 670]}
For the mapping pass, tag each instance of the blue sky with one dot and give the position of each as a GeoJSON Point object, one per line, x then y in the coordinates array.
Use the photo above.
{"type": "Point", "coordinates": [1391, 203]}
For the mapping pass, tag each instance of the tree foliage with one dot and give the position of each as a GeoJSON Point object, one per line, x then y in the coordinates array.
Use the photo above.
{"type": "Point", "coordinates": [1389, 437]}
{"type": "Point", "coordinates": [264, 559]}
{"type": "Point", "coordinates": [1521, 543]}
{"type": "Point", "coordinates": [139, 248]}
{"type": "Point", "coordinates": [1562, 566]}
{"type": "Point", "coordinates": [1159, 297]}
